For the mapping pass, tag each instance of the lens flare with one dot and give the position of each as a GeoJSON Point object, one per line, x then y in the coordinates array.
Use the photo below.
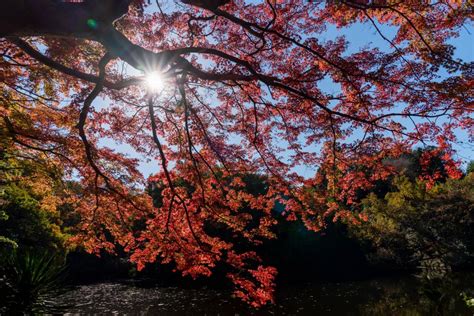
{"type": "Point", "coordinates": [154, 81]}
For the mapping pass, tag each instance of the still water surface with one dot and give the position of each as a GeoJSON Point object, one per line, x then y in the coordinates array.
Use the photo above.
{"type": "Point", "coordinates": [387, 296]}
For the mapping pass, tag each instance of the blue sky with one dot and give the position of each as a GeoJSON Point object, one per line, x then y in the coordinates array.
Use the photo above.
{"type": "Point", "coordinates": [359, 35]}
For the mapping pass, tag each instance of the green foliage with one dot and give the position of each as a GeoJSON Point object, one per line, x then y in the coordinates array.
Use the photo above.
{"type": "Point", "coordinates": [467, 299]}
{"type": "Point", "coordinates": [32, 243]}
{"type": "Point", "coordinates": [28, 222]}
{"type": "Point", "coordinates": [4, 241]}
{"type": "Point", "coordinates": [7, 242]}
{"type": "Point", "coordinates": [28, 279]}
{"type": "Point", "coordinates": [29, 204]}
{"type": "Point", "coordinates": [470, 167]}
{"type": "Point", "coordinates": [414, 226]}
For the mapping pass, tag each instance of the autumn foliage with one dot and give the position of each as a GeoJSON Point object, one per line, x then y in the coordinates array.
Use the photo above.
{"type": "Point", "coordinates": [243, 94]}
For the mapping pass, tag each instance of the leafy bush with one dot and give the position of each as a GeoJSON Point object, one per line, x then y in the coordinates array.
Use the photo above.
{"type": "Point", "coordinates": [28, 221]}
{"type": "Point", "coordinates": [30, 199]}
{"type": "Point", "coordinates": [416, 226]}
{"type": "Point", "coordinates": [28, 278]}
{"type": "Point", "coordinates": [33, 244]}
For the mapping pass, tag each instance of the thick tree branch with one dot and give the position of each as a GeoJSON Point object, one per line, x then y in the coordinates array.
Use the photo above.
{"type": "Point", "coordinates": [85, 112]}
{"type": "Point", "coordinates": [28, 49]}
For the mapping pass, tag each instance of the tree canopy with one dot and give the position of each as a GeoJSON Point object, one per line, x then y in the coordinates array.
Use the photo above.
{"type": "Point", "coordinates": [242, 92]}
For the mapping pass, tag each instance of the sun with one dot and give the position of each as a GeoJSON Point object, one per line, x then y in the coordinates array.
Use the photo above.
{"type": "Point", "coordinates": [154, 81]}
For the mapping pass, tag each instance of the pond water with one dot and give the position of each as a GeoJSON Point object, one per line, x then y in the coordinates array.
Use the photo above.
{"type": "Point", "coordinates": [386, 296]}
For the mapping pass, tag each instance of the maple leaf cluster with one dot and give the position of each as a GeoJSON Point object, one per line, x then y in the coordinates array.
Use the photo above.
{"type": "Point", "coordinates": [242, 95]}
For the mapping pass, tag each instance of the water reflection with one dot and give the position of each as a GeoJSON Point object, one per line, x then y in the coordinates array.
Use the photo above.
{"type": "Point", "coordinates": [388, 296]}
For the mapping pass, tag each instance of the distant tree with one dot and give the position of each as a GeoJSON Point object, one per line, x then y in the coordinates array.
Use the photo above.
{"type": "Point", "coordinates": [470, 167]}
{"type": "Point", "coordinates": [420, 226]}
{"type": "Point", "coordinates": [30, 197]}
